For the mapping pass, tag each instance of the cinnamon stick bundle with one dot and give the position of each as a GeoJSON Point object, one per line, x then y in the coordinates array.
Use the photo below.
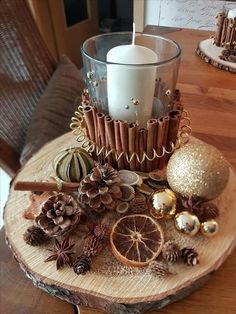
{"type": "Point", "coordinates": [94, 111]}
{"type": "Point", "coordinates": [142, 143]}
{"type": "Point", "coordinates": [124, 140]}
{"type": "Point", "coordinates": [120, 161]}
{"type": "Point", "coordinates": [132, 131]}
{"type": "Point", "coordinates": [152, 126]}
{"type": "Point", "coordinates": [88, 115]}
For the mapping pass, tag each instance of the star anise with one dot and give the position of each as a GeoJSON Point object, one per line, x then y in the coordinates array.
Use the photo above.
{"type": "Point", "coordinates": [62, 253]}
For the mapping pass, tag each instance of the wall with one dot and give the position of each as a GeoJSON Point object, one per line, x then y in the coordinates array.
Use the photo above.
{"type": "Point", "coordinates": [198, 14]}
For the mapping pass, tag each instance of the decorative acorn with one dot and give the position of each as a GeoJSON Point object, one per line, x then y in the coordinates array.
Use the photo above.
{"type": "Point", "coordinates": [72, 164]}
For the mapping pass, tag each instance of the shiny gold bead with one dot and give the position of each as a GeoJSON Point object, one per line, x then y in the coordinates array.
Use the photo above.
{"type": "Point", "coordinates": [187, 223]}
{"type": "Point", "coordinates": [209, 228]}
{"type": "Point", "coordinates": [162, 204]}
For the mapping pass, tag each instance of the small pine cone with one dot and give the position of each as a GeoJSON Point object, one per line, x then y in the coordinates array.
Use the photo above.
{"type": "Point", "coordinates": [159, 269]}
{"type": "Point", "coordinates": [35, 236]}
{"type": "Point", "coordinates": [138, 204]}
{"type": "Point", "coordinates": [170, 252]}
{"type": "Point", "coordinates": [82, 264]}
{"type": "Point", "coordinates": [210, 211]}
{"type": "Point", "coordinates": [189, 256]}
{"type": "Point", "coordinates": [92, 245]}
{"type": "Point", "coordinates": [100, 231]}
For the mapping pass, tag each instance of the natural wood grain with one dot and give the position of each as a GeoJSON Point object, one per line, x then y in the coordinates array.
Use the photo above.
{"type": "Point", "coordinates": [209, 95]}
{"type": "Point", "coordinates": [99, 290]}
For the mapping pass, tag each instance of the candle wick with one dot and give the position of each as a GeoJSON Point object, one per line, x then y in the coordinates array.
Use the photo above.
{"type": "Point", "coordinates": [133, 35]}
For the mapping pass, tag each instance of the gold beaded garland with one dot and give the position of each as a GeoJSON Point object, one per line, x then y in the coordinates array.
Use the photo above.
{"type": "Point", "coordinates": [197, 169]}
{"type": "Point", "coordinates": [162, 204]}
{"type": "Point", "coordinates": [209, 228]}
{"type": "Point", "coordinates": [187, 223]}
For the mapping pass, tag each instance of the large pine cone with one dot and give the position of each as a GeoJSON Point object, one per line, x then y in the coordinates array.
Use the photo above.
{"type": "Point", "coordinates": [100, 190]}
{"type": "Point", "coordinates": [59, 214]}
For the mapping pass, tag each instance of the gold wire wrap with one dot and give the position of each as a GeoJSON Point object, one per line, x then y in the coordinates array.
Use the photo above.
{"type": "Point", "coordinates": [78, 129]}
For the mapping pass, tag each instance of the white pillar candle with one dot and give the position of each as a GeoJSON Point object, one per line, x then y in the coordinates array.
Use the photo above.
{"type": "Point", "coordinates": [127, 81]}
{"type": "Point", "coordinates": [231, 13]}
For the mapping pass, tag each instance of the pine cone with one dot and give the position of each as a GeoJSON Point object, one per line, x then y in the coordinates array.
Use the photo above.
{"type": "Point", "coordinates": [193, 205]}
{"type": "Point", "coordinates": [59, 214]}
{"type": "Point", "coordinates": [92, 245]}
{"type": "Point", "coordinates": [100, 190]}
{"type": "Point", "coordinates": [170, 252]}
{"type": "Point", "coordinates": [210, 211]}
{"type": "Point", "coordinates": [101, 231]}
{"type": "Point", "coordinates": [159, 269]}
{"type": "Point", "coordinates": [189, 256]}
{"type": "Point", "coordinates": [35, 236]}
{"type": "Point", "coordinates": [138, 204]}
{"type": "Point", "coordinates": [82, 264]}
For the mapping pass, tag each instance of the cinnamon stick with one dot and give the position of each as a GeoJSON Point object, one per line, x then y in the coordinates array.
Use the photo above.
{"type": "Point", "coordinates": [159, 139]}
{"type": "Point", "coordinates": [124, 140]}
{"type": "Point", "coordinates": [132, 131]}
{"type": "Point", "coordinates": [142, 143]}
{"type": "Point", "coordinates": [219, 26]}
{"type": "Point", "coordinates": [164, 142]}
{"type": "Point", "coordinates": [151, 142]}
{"type": "Point", "coordinates": [120, 161]}
{"type": "Point", "coordinates": [101, 129]}
{"type": "Point", "coordinates": [88, 115]}
{"type": "Point", "coordinates": [85, 95]}
{"type": "Point", "coordinates": [110, 138]}
{"type": "Point", "coordinates": [223, 34]}
{"type": "Point", "coordinates": [94, 111]}
{"type": "Point", "coordinates": [175, 116]}
{"type": "Point", "coordinates": [45, 186]}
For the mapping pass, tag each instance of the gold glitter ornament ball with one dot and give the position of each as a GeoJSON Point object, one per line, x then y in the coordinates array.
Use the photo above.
{"type": "Point", "coordinates": [197, 169]}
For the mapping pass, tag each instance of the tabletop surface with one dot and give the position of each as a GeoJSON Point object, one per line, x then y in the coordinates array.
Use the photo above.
{"type": "Point", "coordinates": [209, 95]}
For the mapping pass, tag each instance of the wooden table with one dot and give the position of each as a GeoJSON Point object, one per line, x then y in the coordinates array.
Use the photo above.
{"type": "Point", "coordinates": [209, 94]}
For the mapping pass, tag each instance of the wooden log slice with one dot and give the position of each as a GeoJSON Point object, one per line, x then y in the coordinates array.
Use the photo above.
{"type": "Point", "coordinates": [133, 292]}
{"type": "Point", "coordinates": [210, 54]}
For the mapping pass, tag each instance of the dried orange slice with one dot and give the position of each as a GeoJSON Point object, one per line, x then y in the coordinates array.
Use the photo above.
{"type": "Point", "coordinates": [136, 240]}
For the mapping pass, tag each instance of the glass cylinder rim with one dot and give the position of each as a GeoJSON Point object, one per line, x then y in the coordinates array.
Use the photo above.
{"type": "Point", "coordinates": [133, 65]}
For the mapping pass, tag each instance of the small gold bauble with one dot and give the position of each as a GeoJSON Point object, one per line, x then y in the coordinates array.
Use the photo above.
{"type": "Point", "coordinates": [187, 223]}
{"type": "Point", "coordinates": [162, 204]}
{"type": "Point", "coordinates": [209, 228]}
{"type": "Point", "coordinates": [197, 169]}
{"type": "Point", "coordinates": [72, 164]}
